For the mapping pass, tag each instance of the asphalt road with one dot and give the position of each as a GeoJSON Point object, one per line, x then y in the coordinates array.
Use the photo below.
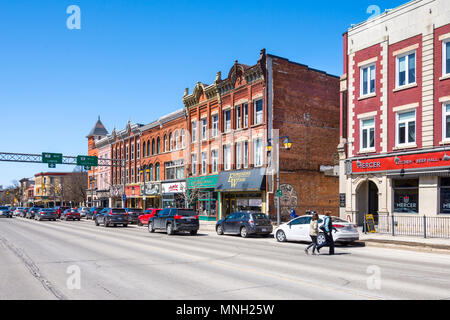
{"type": "Point", "coordinates": [77, 260]}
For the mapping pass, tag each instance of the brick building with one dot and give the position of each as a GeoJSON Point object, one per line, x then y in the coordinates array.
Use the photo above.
{"type": "Point", "coordinates": [231, 121]}
{"type": "Point", "coordinates": [395, 107]}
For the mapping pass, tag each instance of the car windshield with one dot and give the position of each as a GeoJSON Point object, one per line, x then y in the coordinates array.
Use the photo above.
{"type": "Point", "coordinates": [4, 208]}
{"type": "Point", "coordinates": [185, 212]}
{"type": "Point", "coordinates": [118, 211]}
{"type": "Point", "coordinates": [259, 216]}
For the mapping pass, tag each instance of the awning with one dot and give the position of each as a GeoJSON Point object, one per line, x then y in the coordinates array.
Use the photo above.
{"type": "Point", "coordinates": [242, 180]}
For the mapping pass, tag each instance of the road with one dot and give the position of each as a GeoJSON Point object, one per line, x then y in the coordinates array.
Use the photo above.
{"type": "Point", "coordinates": [77, 260]}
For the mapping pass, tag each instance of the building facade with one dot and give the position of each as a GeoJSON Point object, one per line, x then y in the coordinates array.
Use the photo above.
{"type": "Point", "coordinates": [395, 102]}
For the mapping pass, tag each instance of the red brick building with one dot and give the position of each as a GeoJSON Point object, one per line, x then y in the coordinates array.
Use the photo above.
{"type": "Point", "coordinates": [231, 121]}
{"type": "Point", "coordinates": [395, 102]}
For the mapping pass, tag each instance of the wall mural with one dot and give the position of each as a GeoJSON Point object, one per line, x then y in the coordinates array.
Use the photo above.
{"type": "Point", "coordinates": [289, 200]}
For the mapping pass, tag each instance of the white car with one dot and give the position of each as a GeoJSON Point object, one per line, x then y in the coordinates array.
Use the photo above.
{"type": "Point", "coordinates": [298, 230]}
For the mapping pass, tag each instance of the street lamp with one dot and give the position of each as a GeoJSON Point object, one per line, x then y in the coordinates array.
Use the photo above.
{"type": "Point", "coordinates": [144, 169]}
{"type": "Point", "coordinates": [287, 144]}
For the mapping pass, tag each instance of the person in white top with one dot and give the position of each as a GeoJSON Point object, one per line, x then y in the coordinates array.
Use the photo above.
{"type": "Point", "coordinates": [313, 233]}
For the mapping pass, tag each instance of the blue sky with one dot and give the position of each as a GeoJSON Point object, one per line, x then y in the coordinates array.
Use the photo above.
{"type": "Point", "coordinates": [132, 59]}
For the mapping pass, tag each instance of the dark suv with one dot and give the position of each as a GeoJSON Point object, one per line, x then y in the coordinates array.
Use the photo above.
{"type": "Point", "coordinates": [245, 224]}
{"type": "Point", "coordinates": [112, 217]}
{"type": "Point", "coordinates": [93, 212]}
{"type": "Point", "coordinates": [173, 220]}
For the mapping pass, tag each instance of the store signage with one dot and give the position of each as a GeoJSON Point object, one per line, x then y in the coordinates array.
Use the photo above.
{"type": "Point", "coordinates": [242, 180]}
{"type": "Point", "coordinates": [151, 189]}
{"type": "Point", "coordinates": [202, 182]}
{"type": "Point", "coordinates": [405, 162]}
{"type": "Point", "coordinates": [173, 187]}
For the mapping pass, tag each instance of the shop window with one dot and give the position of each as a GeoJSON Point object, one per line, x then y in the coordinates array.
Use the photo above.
{"type": "Point", "coordinates": [406, 196]}
{"type": "Point", "coordinates": [445, 196]}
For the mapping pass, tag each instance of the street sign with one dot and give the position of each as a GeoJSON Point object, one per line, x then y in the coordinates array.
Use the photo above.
{"type": "Point", "coordinates": [370, 223]}
{"type": "Point", "coordinates": [279, 193]}
{"type": "Point", "coordinates": [54, 158]}
{"type": "Point", "coordinates": [87, 168]}
{"type": "Point", "coordinates": [87, 161]}
{"type": "Point", "coordinates": [52, 165]}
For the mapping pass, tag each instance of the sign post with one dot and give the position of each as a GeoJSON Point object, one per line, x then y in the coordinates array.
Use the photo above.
{"type": "Point", "coordinates": [370, 223]}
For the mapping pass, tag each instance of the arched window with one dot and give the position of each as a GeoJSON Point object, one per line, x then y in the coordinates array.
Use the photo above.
{"type": "Point", "coordinates": [182, 138]}
{"type": "Point", "coordinates": [157, 172]}
{"type": "Point", "coordinates": [170, 142]}
{"type": "Point", "coordinates": [158, 146]}
{"type": "Point", "coordinates": [177, 138]}
{"type": "Point", "coordinates": [153, 146]}
{"type": "Point", "coordinates": [150, 174]}
{"type": "Point", "coordinates": [165, 143]}
{"type": "Point", "coordinates": [148, 148]}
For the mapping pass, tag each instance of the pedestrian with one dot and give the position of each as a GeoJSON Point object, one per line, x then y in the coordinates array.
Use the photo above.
{"type": "Point", "coordinates": [313, 233]}
{"type": "Point", "coordinates": [293, 215]}
{"type": "Point", "coordinates": [327, 228]}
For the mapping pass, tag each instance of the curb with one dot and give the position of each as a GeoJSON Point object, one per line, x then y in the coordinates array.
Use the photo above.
{"type": "Point", "coordinates": [405, 245]}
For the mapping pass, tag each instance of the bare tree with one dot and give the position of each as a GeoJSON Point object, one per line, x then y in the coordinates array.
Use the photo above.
{"type": "Point", "coordinates": [188, 196]}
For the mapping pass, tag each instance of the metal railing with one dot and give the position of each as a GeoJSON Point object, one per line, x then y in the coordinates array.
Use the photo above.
{"type": "Point", "coordinates": [414, 225]}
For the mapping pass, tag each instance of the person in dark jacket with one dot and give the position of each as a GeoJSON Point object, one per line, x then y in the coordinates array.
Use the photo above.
{"type": "Point", "coordinates": [328, 229]}
{"type": "Point", "coordinates": [293, 215]}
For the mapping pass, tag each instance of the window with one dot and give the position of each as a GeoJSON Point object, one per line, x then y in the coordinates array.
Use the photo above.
{"type": "Point", "coordinates": [153, 146]}
{"type": "Point", "coordinates": [182, 138]}
{"type": "Point", "coordinates": [367, 80]}
{"type": "Point", "coordinates": [227, 121]}
{"type": "Point", "coordinates": [177, 140]}
{"type": "Point", "coordinates": [406, 128]}
{"type": "Point", "coordinates": [194, 131]}
{"type": "Point", "coordinates": [132, 175]}
{"type": "Point", "coordinates": [258, 160]}
{"type": "Point", "coordinates": [132, 151]}
{"type": "Point", "coordinates": [215, 125]}
{"type": "Point", "coordinates": [158, 145]}
{"type": "Point", "coordinates": [157, 172]}
{"type": "Point", "coordinates": [194, 164]}
{"type": "Point", "coordinates": [446, 122]}
{"type": "Point", "coordinates": [170, 142]}
{"type": "Point", "coordinates": [238, 155]}
{"type": "Point", "coordinates": [367, 134]}
{"type": "Point", "coordinates": [227, 157]}
{"type": "Point", "coordinates": [258, 112]}
{"type": "Point", "coordinates": [126, 157]}
{"type": "Point", "coordinates": [127, 180]}
{"type": "Point", "coordinates": [204, 163]}
{"type": "Point", "coordinates": [174, 170]}
{"type": "Point", "coordinates": [446, 57]}
{"type": "Point", "coordinates": [148, 148]}
{"type": "Point", "coordinates": [204, 128]}
{"type": "Point", "coordinates": [406, 196]}
{"type": "Point", "coordinates": [245, 114]}
{"type": "Point", "coordinates": [245, 154]}
{"type": "Point", "coordinates": [445, 196]}
{"type": "Point", "coordinates": [215, 158]}
{"type": "Point", "coordinates": [238, 117]}
{"type": "Point", "coordinates": [406, 69]}
{"type": "Point", "coordinates": [138, 149]}
{"type": "Point", "coordinates": [165, 143]}
{"type": "Point", "coordinates": [150, 177]}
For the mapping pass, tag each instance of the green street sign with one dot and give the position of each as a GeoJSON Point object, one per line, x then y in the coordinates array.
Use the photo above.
{"type": "Point", "coordinates": [54, 158]}
{"type": "Point", "coordinates": [279, 193]}
{"type": "Point", "coordinates": [87, 168]}
{"type": "Point", "coordinates": [52, 165]}
{"type": "Point", "coordinates": [87, 161]}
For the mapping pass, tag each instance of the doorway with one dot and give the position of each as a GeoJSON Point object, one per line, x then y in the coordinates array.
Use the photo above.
{"type": "Point", "coordinates": [366, 201]}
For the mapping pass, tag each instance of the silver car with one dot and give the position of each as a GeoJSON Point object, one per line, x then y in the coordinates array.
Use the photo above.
{"type": "Point", "coordinates": [83, 211]}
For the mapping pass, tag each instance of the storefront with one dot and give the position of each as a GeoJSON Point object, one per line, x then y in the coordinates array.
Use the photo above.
{"type": "Point", "coordinates": [133, 196]}
{"type": "Point", "coordinates": [103, 198]}
{"type": "Point", "coordinates": [173, 194]}
{"type": "Point", "coordinates": [204, 197]}
{"type": "Point", "coordinates": [242, 190]}
{"type": "Point", "coordinates": [151, 195]}
{"type": "Point", "coordinates": [415, 183]}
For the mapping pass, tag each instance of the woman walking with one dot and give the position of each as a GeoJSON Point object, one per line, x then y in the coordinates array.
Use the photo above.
{"type": "Point", "coordinates": [313, 233]}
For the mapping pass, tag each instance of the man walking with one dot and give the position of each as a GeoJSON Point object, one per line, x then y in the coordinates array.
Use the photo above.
{"type": "Point", "coordinates": [327, 228]}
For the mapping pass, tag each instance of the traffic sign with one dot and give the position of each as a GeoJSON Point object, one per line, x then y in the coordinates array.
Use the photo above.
{"type": "Point", "coordinates": [88, 161]}
{"type": "Point", "coordinates": [87, 168]}
{"type": "Point", "coordinates": [279, 193]}
{"type": "Point", "coordinates": [52, 165]}
{"type": "Point", "coordinates": [55, 158]}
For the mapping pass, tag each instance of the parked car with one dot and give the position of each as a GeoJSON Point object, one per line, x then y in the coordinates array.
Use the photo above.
{"type": "Point", "coordinates": [60, 210]}
{"type": "Point", "coordinates": [18, 211]}
{"type": "Point", "coordinates": [5, 212]}
{"type": "Point", "coordinates": [133, 215]}
{"type": "Point", "coordinates": [112, 216]}
{"type": "Point", "coordinates": [245, 224]}
{"type": "Point", "coordinates": [174, 220]}
{"type": "Point", "coordinates": [144, 218]}
{"type": "Point", "coordinates": [24, 212]}
{"type": "Point", "coordinates": [83, 211]}
{"type": "Point", "coordinates": [70, 214]}
{"type": "Point", "coordinates": [298, 230]}
{"type": "Point", "coordinates": [93, 212]}
{"type": "Point", "coordinates": [46, 214]}
{"type": "Point", "coordinates": [31, 213]}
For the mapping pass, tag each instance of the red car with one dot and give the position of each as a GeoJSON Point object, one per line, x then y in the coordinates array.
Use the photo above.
{"type": "Point", "coordinates": [149, 213]}
{"type": "Point", "coordinates": [71, 214]}
{"type": "Point", "coordinates": [60, 210]}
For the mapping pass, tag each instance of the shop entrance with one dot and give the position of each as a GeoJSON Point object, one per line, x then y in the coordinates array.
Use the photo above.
{"type": "Point", "coordinates": [243, 202]}
{"type": "Point", "coordinates": [366, 201]}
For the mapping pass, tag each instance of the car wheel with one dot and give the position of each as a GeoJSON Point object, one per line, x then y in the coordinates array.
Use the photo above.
{"type": "Point", "coordinates": [106, 224]}
{"type": "Point", "coordinates": [169, 229]}
{"type": "Point", "coordinates": [281, 236]}
{"type": "Point", "coordinates": [193, 232]}
{"type": "Point", "coordinates": [321, 239]}
{"type": "Point", "coordinates": [96, 222]}
{"type": "Point", "coordinates": [125, 225]}
{"type": "Point", "coordinates": [244, 232]}
{"type": "Point", "coordinates": [139, 223]}
{"type": "Point", "coordinates": [219, 230]}
{"type": "Point", "coordinates": [151, 227]}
